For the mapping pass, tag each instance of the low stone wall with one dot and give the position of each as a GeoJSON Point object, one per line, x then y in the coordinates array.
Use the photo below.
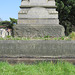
{"type": "Point", "coordinates": [37, 48]}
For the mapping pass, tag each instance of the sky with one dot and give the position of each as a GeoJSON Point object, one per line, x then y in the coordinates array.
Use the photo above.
{"type": "Point", "coordinates": [9, 8]}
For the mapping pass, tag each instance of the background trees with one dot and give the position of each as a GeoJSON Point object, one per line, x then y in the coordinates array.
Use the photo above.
{"type": "Point", "coordinates": [66, 9]}
{"type": "Point", "coordinates": [9, 23]}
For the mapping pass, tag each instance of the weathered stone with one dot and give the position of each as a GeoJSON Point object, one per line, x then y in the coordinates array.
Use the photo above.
{"type": "Point", "coordinates": [38, 9]}
{"type": "Point", "coordinates": [37, 48]}
{"type": "Point", "coordinates": [3, 33]}
{"type": "Point", "coordinates": [38, 21]}
{"type": "Point", "coordinates": [38, 3]}
{"type": "Point", "coordinates": [38, 18]}
{"type": "Point", "coordinates": [39, 30]}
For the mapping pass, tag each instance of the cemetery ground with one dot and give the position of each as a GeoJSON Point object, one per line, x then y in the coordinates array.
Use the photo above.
{"type": "Point", "coordinates": [41, 68]}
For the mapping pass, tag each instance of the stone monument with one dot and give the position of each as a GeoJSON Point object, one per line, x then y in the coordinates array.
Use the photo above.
{"type": "Point", "coordinates": [38, 18]}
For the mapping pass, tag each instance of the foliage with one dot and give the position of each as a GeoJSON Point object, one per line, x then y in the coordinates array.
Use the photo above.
{"type": "Point", "coordinates": [9, 23]}
{"type": "Point", "coordinates": [5, 23]}
{"type": "Point", "coordinates": [66, 9]}
{"type": "Point", "coordinates": [13, 21]}
{"type": "Point", "coordinates": [41, 68]}
{"type": "Point", "coordinates": [72, 35]}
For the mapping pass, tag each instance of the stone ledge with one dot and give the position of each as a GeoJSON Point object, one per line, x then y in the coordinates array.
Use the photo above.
{"type": "Point", "coordinates": [37, 48]}
{"type": "Point", "coordinates": [29, 6]}
{"type": "Point", "coordinates": [38, 21]}
{"type": "Point", "coordinates": [35, 60]}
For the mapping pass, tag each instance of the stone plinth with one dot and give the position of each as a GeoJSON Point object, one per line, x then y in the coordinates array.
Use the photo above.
{"type": "Point", "coordinates": [39, 30]}
{"type": "Point", "coordinates": [37, 48]}
{"type": "Point", "coordinates": [38, 18]}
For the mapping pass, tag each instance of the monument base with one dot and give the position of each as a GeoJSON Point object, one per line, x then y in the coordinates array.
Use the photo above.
{"type": "Point", "coordinates": [38, 30]}
{"type": "Point", "coordinates": [18, 51]}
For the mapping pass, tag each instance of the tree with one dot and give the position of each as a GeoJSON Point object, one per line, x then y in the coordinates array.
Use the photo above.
{"type": "Point", "coordinates": [66, 9]}
{"type": "Point", "coordinates": [9, 23]}
{"type": "Point", "coordinates": [13, 21]}
{"type": "Point", "coordinates": [5, 23]}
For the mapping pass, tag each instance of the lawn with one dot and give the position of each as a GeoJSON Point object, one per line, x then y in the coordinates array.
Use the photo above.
{"type": "Point", "coordinates": [43, 68]}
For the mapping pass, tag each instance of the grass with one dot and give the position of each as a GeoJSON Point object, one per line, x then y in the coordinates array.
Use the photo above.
{"type": "Point", "coordinates": [43, 68]}
{"type": "Point", "coordinates": [35, 38]}
{"type": "Point", "coordinates": [70, 37]}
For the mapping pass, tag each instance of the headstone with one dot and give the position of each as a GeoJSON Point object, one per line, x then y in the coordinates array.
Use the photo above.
{"type": "Point", "coordinates": [3, 33]}
{"type": "Point", "coordinates": [38, 18]}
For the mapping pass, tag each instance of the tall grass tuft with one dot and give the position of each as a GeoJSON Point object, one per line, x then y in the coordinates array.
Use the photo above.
{"type": "Point", "coordinates": [72, 35]}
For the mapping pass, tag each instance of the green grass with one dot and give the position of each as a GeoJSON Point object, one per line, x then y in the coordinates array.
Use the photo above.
{"type": "Point", "coordinates": [70, 37]}
{"type": "Point", "coordinates": [35, 38]}
{"type": "Point", "coordinates": [44, 68]}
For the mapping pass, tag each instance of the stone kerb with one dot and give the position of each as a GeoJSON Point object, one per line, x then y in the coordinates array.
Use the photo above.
{"type": "Point", "coordinates": [37, 48]}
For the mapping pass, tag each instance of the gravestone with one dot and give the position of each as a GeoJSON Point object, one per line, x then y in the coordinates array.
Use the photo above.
{"type": "Point", "coordinates": [3, 33]}
{"type": "Point", "coordinates": [38, 18]}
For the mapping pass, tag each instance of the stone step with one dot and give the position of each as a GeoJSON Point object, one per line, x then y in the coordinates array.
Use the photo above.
{"type": "Point", "coordinates": [36, 50]}
{"type": "Point", "coordinates": [38, 30]}
{"type": "Point", "coordinates": [38, 21]}
{"type": "Point", "coordinates": [31, 60]}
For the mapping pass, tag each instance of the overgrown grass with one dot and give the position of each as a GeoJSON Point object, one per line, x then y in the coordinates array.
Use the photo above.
{"type": "Point", "coordinates": [35, 38]}
{"type": "Point", "coordinates": [44, 68]}
{"type": "Point", "coordinates": [70, 37]}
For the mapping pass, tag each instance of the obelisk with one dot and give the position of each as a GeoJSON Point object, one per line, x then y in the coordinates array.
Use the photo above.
{"type": "Point", "coordinates": [38, 18]}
